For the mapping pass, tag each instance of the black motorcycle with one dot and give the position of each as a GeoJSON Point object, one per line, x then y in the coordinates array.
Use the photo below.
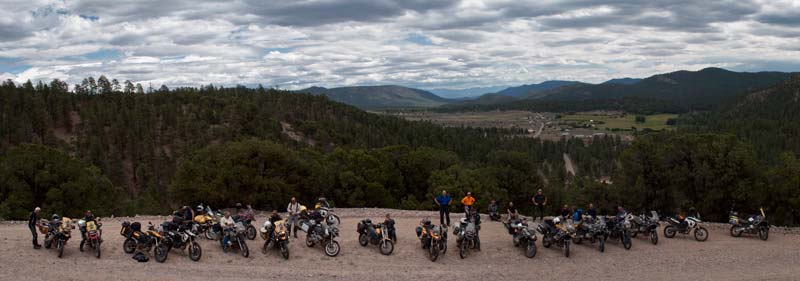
{"type": "Point", "coordinates": [554, 231]}
{"type": "Point", "coordinates": [618, 228]}
{"type": "Point", "coordinates": [375, 234]}
{"type": "Point", "coordinates": [523, 236]}
{"type": "Point", "coordinates": [593, 230]}
{"type": "Point", "coordinates": [686, 225]}
{"type": "Point", "coordinates": [755, 224]}
{"type": "Point", "coordinates": [181, 236]}
{"type": "Point", "coordinates": [647, 226]}
{"type": "Point", "coordinates": [324, 234]}
{"type": "Point", "coordinates": [467, 235]}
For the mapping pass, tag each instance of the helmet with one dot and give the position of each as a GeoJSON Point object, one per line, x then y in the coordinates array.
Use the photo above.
{"type": "Point", "coordinates": [238, 205]}
{"type": "Point", "coordinates": [556, 220]}
{"type": "Point", "coordinates": [426, 221]}
{"type": "Point", "coordinates": [303, 208]}
{"type": "Point", "coordinates": [55, 216]}
{"type": "Point", "coordinates": [199, 208]}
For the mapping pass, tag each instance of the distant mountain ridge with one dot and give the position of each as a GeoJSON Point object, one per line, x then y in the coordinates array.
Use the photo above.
{"type": "Point", "coordinates": [374, 97]}
{"type": "Point", "coordinates": [530, 90]}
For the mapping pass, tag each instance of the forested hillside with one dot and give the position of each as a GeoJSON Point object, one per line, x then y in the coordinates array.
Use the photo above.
{"type": "Point", "coordinates": [141, 140]}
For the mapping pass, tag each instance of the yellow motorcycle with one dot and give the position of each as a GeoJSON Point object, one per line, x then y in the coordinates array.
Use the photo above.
{"type": "Point", "coordinates": [280, 237]}
{"type": "Point", "coordinates": [60, 234]}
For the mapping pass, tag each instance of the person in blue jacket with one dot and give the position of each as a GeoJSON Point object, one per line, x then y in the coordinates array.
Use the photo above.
{"type": "Point", "coordinates": [443, 201]}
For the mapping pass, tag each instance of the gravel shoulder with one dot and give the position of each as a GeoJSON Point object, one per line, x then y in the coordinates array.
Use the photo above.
{"type": "Point", "coordinates": [722, 257]}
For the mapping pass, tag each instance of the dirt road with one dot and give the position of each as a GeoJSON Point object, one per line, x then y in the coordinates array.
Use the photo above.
{"type": "Point", "coordinates": [720, 258]}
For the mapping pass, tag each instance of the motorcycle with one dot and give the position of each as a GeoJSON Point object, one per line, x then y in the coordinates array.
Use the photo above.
{"type": "Point", "coordinates": [324, 234]}
{"type": "Point", "coordinates": [618, 228]}
{"type": "Point", "coordinates": [686, 226]}
{"type": "Point", "coordinates": [755, 224]}
{"type": "Point", "coordinates": [181, 237]}
{"type": "Point", "coordinates": [467, 236]}
{"type": "Point", "coordinates": [59, 233]}
{"type": "Point", "coordinates": [593, 230]}
{"type": "Point", "coordinates": [236, 239]}
{"type": "Point", "coordinates": [554, 231]}
{"type": "Point", "coordinates": [433, 238]}
{"type": "Point", "coordinates": [208, 224]}
{"type": "Point", "coordinates": [647, 226]}
{"type": "Point", "coordinates": [329, 216]}
{"type": "Point", "coordinates": [92, 232]}
{"type": "Point", "coordinates": [375, 234]}
{"type": "Point", "coordinates": [279, 237]}
{"type": "Point", "coordinates": [522, 236]}
{"type": "Point", "coordinates": [247, 218]}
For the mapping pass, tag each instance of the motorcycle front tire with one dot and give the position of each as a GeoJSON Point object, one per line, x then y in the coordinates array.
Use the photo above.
{"type": "Point", "coordinates": [701, 237]}
{"type": "Point", "coordinates": [463, 251]}
{"type": "Point", "coordinates": [566, 248]}
{"type": "Point", "coordinates": [736, 231]}
{"type": "Point", "coordinates": [332, 248]}
{"type": "Point", "coordinates": [602, 245]}
{"type": "Point", "coordinates": [284, 250]}
{"type": "Point", "coordinates": [195, 252]}
{"type": "Point", "coordinates": [96, 245]}
{"type": "Point", "coordinates": [161, 252]}
{"type": "Point", "coordinates": [626, 241]}
{"type": "Point", "coordinates": [243, 248]}
{"type": "Point", "coordinates": [60, 247]}
{"type": "Point", "coordinates": [530, 249]}
{"type": "Point", "coordinates": [654, 237]}
{"type": "Point", "coordinates": [763, 233]}
{"type": "Point", "coordinates": [386, 247]}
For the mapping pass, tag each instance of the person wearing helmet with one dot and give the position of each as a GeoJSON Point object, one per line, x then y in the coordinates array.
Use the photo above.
{"type": "Point", "coordinates": [33, 221]}
{"type": "Point", "coordinates": [87, 218]}
{"type": "Point", "coordinates": [200, 210]}
{"type": "Point", "coordinates": [293, 213]}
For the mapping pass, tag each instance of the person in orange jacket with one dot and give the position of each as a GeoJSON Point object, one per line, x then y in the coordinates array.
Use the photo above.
{"type": "Point", "coordinates": [467, 201]}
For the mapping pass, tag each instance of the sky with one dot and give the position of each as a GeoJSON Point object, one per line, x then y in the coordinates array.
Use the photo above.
{"type": "Point", "coordinates": [429, 44]}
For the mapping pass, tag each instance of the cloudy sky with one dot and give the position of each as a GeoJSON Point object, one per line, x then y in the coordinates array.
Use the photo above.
{"type": "Point", "coordinates": [419, 43]}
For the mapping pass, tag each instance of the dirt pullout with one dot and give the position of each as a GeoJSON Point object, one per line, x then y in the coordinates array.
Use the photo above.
{"type": "Point", "coordinates": [722, 257]}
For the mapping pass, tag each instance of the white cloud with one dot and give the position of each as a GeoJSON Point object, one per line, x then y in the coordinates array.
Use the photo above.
{"type": "Point", "coordinates": [458, 44]}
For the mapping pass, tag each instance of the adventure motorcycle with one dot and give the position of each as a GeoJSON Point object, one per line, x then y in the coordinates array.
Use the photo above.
{"type": "Point", "coordinates": [329, 216]}
{"type": "Point", "coordinates": [554, 231]}
{"type": "Point", "coordinates": [593, 230]}
{"type": "Point", "coordinates": [522, 236]}
{"type": "Point", "coordinates": [618, 228]}
{"type": "Point", "coordinates": [236, 239]}
{"type": "Point", "coordinates": [247, 218]}
{"type": "Point", "coordinates": [375, 234]}
{"type": "Point", "coordinates": [433, 238]}
{"type": "Point", "coordinates": [208, 224]}
{"type": "Point", "coordinates": [324, 234]}
{"type": "Point", "coordinates": [59, 233]}
{"type": "Point", "coordinates": [755, 224]}
{"type": "Point", "coordinates": [685, 226]}
{"type": "Point", "coordinates": [181, 237]}
{"type": "Point", "coordinates": [467, 236]}
{"type": "Point", "coordinates": [92, 235]}
{"type": "Point", "coordinates": [647, 226]}
{"type": "Point", "coordinates": [279, 236]}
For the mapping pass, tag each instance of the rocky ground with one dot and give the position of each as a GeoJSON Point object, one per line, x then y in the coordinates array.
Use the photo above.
{"type": "Point", "coordinates": [722, 257]}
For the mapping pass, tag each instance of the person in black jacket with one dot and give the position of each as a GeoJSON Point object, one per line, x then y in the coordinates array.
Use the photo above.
{"type": "Point", "coordinates": [33, 220]}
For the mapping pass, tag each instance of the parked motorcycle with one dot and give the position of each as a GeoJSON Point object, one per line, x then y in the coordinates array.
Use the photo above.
{"type": "Point", "coordinates": [522, 236]}
{"type": "Point", "coordinates": [247, 218]}
{"type": "Point", "coordinates": [433, 238]}
{"type": "Point", "coordinates": [686, 226]}
{"type": "Point", "coordinates": [618, 228]}
{"type": "Point", "coordinates": [592, 230]}
{"type": "Point", "coordinates": [375, 234]}
{"type": "Point", "coordinates": [554, 231]}
{"type": "Point", "coordinates": [647, 226]}
{"type": "Point", "coordinates": [279, 236]}
{"type": "Point", "coordinates": [236, 239]}
{"type": "Point", "coordinates": [59, 232]}
{"type": "Point", "coordinates": [208, 224]}
{"type": "Point", "coordinates": [324, 234]}
{"type": "Point", "coordinates": [92, 230]}
{"type": "Point", "coordinates": [755, 224]}
{"type": "Point", "coordinates": [181, 237]}
{"type": "Point", "coordinates": [329, 216]}
{"type": "Point", "coordinates": [467, 236]}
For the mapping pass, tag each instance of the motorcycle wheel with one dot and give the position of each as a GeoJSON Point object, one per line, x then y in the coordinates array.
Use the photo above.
{"type": "Point", "coordinates": [284, 250]}
{"type": "Point", "coordinates": [462, 250]}
{"type": "Point", "coordinates": [433, 252]}
{"type": "Point", "coordinates": [265, 247]}
{"type": "Point", "coordinates": [566, 248]}
{"type": "Point", "coordinates": [335, 219]}
{"type": "Point", "coordinates": [207, 234]}
{"type": "Point", "coordinates": [634, 234]}
{"type": "Point", "coordinates": [387, 247]}
{"type": "Point", "coordinates": [700, 234]}
{"type": "Point", "coordinates": [161, 253]}
{"type": "Point", "coordinates": [530, 249]}
{"type": "Point", "coordinates": [602, 245]}
{"type": "Point", "coordinates": [669, 231]}
{"type": "Point", "coordinates": [60, 247]}
{"type": "Point", "coordinates": [96, 245]}
{"type": "Point", "coordinates": [654, 237]}
{"type": "Point", "coordinates": [546, 243]}
{"type": "Point", "coordinates": [309, 243]}
{"type": "Point", "coordinates": [332, 248]}
{"type": "Point", "coordinates": [736, 231]}
{"type": "Point", "coordinates": [626, 241]}
{"type": "Point", "coordinates": [763, 233]}
{"type": "Point", "coordinates": [195, 252]}
{"type": "Point", "coordinates": [251, 232]}
{"type": "Point", "coordinates": [363, 240]}
{"type": "Point", "coordinates": [243, 248]}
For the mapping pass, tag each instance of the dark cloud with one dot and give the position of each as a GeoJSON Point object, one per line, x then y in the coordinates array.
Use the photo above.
{"type": "Point", "coordinates": [785, 18]}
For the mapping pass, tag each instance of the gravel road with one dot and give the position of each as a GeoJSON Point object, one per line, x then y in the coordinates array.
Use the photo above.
{"type": "Point", "coordinates": [722, 257]}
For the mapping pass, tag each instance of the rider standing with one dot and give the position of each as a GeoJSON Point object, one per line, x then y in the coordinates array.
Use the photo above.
{"type": "Point", "coordinates": [443, 201]}
{"type": "Point", "coordinates": [33, 221]}
{"type": "Point", "coordinates": [293, 211]}
{"type": "Point", "coordinates": [539, 200]}
{"type": "Point", "coordinates": [468, 201]}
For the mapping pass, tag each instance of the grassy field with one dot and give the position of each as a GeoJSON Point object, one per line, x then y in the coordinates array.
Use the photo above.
{"type": "Point", "coordinates": [654, 122]}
